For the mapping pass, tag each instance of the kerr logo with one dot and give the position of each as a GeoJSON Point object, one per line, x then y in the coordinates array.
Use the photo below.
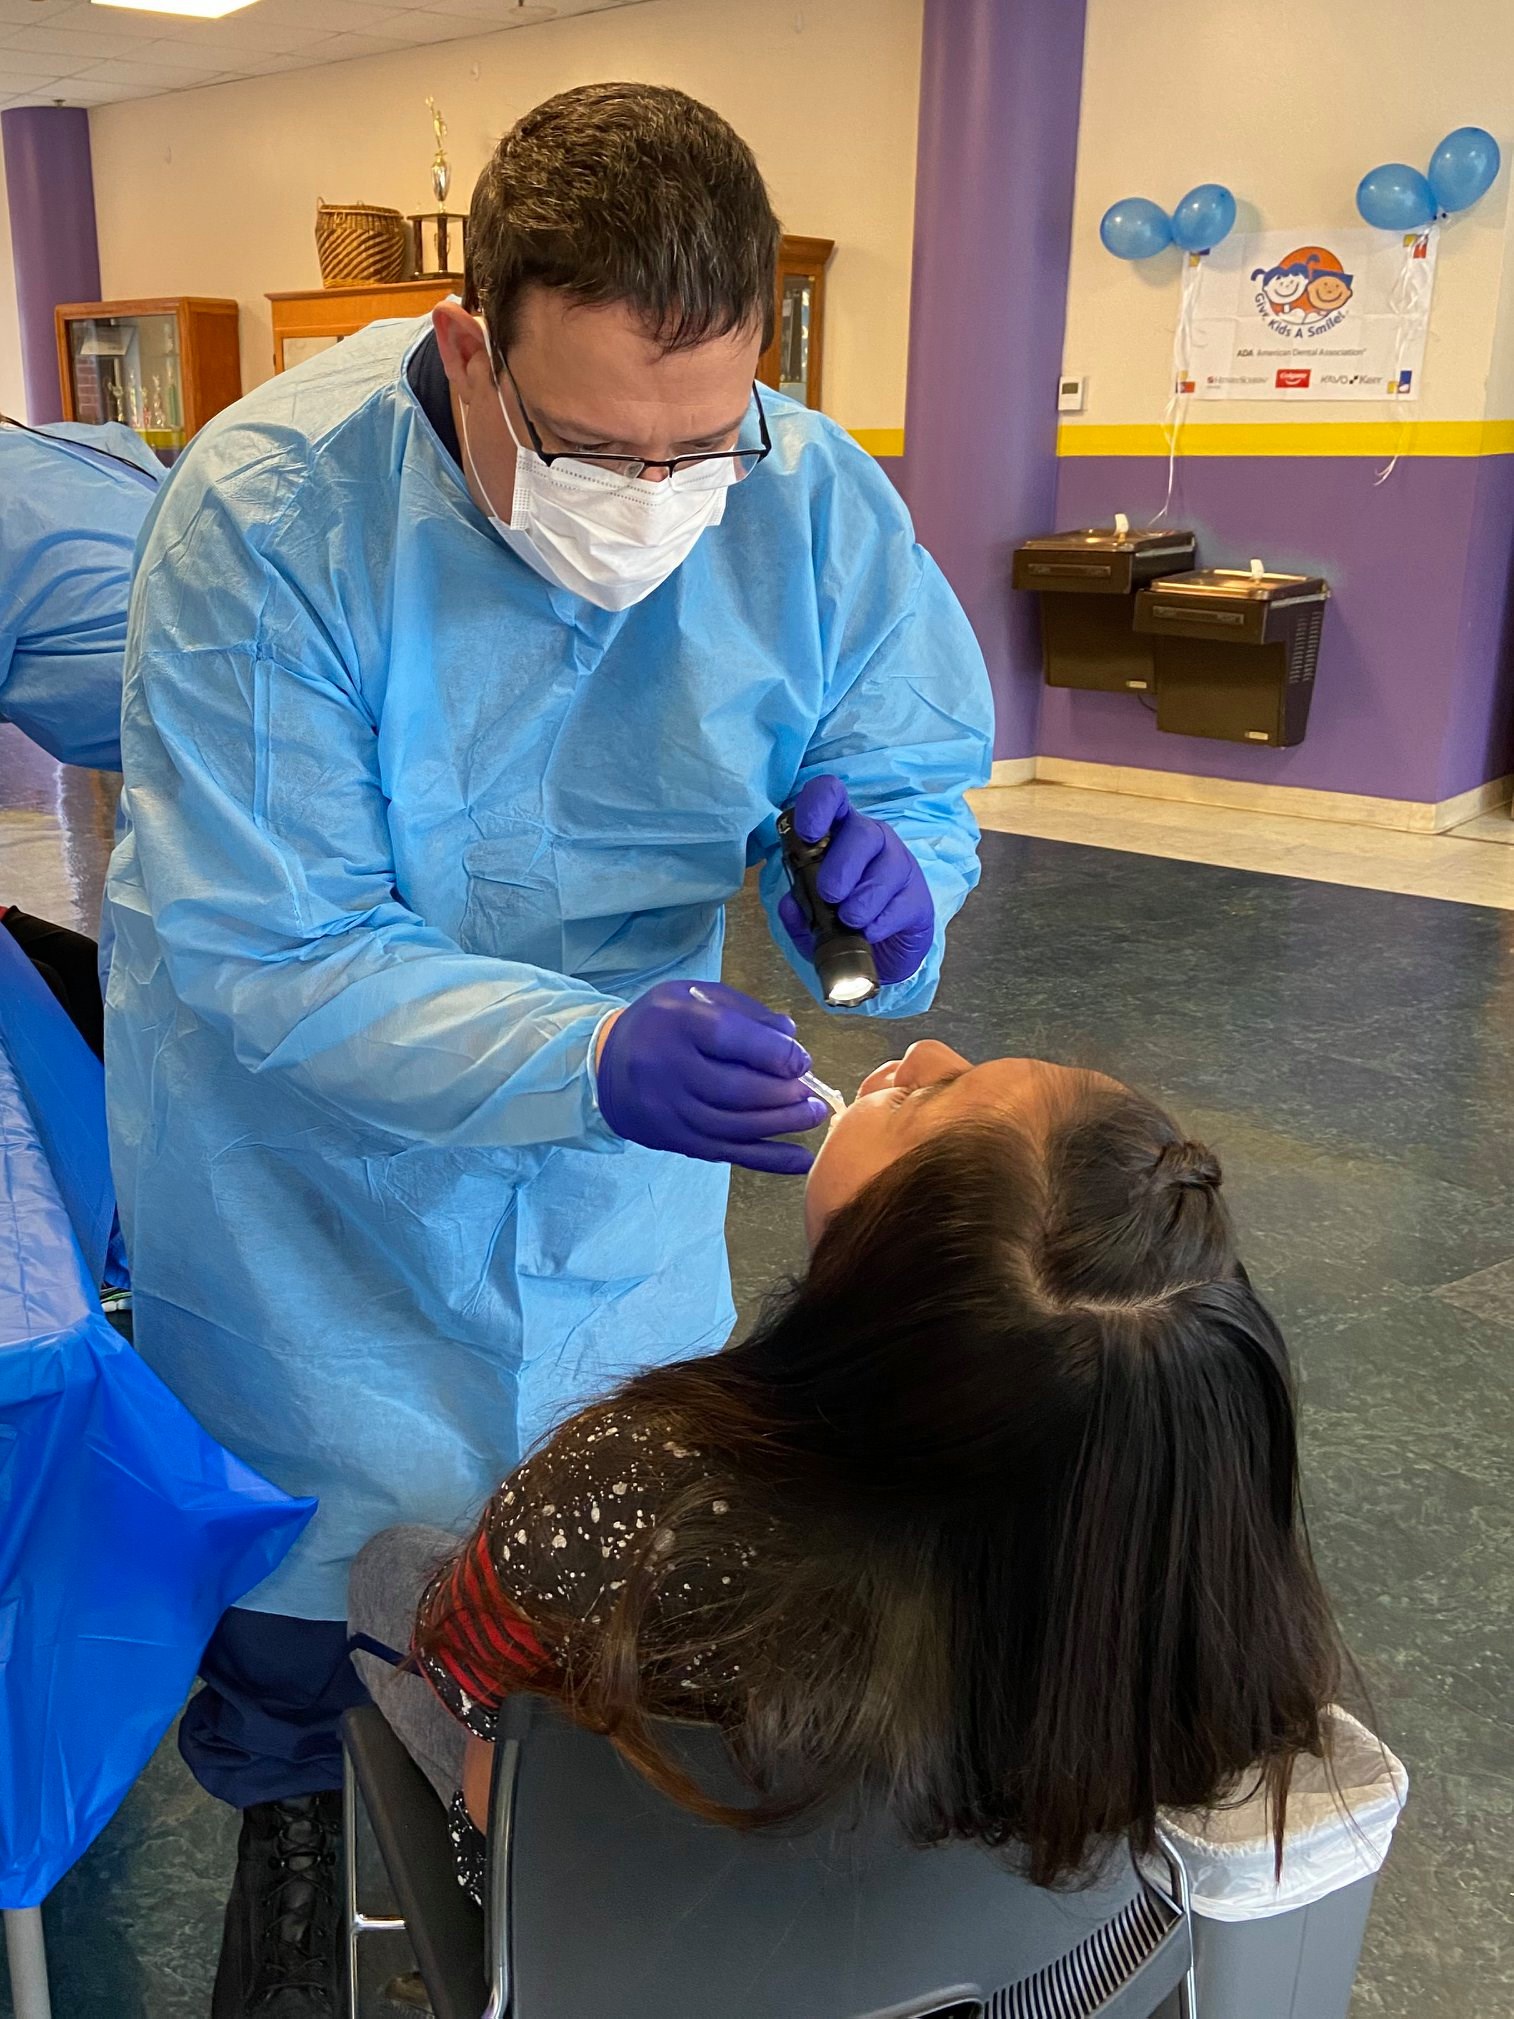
{"type": "Point", "coordinates": [1292, 378]}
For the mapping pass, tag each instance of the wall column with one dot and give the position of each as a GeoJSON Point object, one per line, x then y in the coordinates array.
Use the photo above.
{"type": "Point", "coordinates": [1000, 86]}
{"type": "Point", "coordinates": [51, 196]}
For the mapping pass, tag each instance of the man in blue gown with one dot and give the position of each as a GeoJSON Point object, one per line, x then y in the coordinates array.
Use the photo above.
{"type": "Point", "coordinates": [470, 667]}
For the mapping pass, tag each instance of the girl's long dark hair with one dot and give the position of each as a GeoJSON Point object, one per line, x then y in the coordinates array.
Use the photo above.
{"type": "Point", "coordinates": [1017, 1457]}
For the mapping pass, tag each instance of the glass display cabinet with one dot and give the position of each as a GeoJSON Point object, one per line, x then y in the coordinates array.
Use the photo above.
{"type": "Point", "coordinates": [163, 367]}
{"type": "Point", "coordinates": [792, 361]}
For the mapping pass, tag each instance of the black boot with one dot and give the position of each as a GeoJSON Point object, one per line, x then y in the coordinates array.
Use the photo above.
{"type": "Point", "coordinates": [281, 1950]}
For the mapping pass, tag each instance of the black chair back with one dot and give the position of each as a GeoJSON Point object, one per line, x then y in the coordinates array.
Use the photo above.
{"type": "Point", "coordinates": [609, 1899]}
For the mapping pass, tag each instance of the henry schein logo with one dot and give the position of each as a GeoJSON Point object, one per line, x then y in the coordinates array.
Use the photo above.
{"type": "Point", "coordinates": [1305, 294]}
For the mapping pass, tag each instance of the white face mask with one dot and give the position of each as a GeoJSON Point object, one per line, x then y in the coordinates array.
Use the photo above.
{"type": "Point", "coordinates": [592, 533]}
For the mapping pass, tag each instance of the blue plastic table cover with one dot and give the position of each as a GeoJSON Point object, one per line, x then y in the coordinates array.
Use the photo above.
{"type": "Point", "coordinates": [64, 1088]}
{"type": "Point", "coordinates": [124, 1530]}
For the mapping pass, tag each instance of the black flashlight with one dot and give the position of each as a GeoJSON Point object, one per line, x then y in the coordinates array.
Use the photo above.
{"type": "Point", "coordinates": [843, 959]}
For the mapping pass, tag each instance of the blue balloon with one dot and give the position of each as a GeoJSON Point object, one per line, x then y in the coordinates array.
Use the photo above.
{"type": "Point", "coordinates": [1396, 197]}
{"type": "Point", "coordinates": [1135, 228]}
{"type": "Point", "coordinates": [1203, 217]}
{"type": "Point", "coordinates": [1463, 167]}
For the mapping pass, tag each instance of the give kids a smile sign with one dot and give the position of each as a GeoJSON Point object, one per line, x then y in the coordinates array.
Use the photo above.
{"type": "Point", "coordinates": [1276, 315]}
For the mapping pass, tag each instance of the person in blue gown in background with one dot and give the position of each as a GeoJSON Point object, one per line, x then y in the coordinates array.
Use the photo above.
{"type": "Point", "coordinates": [470, 667]}
{"type": "Point", "coordinates": [72, 502]}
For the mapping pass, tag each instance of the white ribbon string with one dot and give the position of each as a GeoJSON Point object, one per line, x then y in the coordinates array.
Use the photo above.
{"type": "Point", "coordinates": [1409, 293]}
{"type": "Point", "coordinates": [1176, 411]}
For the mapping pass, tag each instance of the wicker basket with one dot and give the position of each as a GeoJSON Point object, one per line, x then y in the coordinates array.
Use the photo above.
{"type": "Point", "coordinates": [359, 242]}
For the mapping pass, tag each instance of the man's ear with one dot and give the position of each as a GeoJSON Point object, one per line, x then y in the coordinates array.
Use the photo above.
{"type": "Point", "coordinates": [464, 348]}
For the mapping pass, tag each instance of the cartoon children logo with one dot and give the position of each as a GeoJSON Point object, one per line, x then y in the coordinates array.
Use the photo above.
{"type": "Point", "coordinates": [1305, 294]}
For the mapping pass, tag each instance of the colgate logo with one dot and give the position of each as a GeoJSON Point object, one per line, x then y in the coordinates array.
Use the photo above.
{"type": "Point", "coordinates": [1292, 378]}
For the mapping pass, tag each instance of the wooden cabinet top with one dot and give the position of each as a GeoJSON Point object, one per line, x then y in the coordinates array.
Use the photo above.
{"type": "Point", "coordinates": [437, 284]}
{"type": "Point", "coordinates": [166, 304]}
{"type": "Point", "coordinates": [805, 252]}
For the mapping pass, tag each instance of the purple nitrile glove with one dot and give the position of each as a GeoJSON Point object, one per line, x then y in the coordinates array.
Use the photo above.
{"type": "Point", "coordinates": [871, 877]}
{"type": "Point", "coordinates": [708, 1072]}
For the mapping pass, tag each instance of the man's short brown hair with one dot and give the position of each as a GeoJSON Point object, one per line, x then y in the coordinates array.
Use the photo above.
{"type": "Point", "coordinates": [626, 192]}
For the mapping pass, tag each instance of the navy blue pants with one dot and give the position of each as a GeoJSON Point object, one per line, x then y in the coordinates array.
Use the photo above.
{"type": "Point", "coordinates": [69, 964]}
{"type": "Point", "coordinates": [266, 1725]}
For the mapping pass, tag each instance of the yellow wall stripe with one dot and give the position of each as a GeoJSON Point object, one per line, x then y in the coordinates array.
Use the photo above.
{"type": "Point", "coordinates": [1260, 438]}
{"type": "Point", "coordinates": [883, 441]}
{"type": "Point", "coordinates": [1293, 438]}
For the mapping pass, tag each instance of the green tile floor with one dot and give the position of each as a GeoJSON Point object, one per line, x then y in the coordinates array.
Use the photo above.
{"type": "Point", "coordinates": [1350, 1054]}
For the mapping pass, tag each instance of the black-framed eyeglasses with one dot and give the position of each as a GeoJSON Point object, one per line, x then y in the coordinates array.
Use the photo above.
{"type": "Point", "coordinates": [632, 469]}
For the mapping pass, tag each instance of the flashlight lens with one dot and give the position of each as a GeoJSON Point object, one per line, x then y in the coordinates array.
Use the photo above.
{"type": "Point", "coordinates": [847, 989]}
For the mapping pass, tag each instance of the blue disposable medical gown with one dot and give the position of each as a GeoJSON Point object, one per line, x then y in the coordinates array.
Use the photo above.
{"type": "Point", "coordinates": [72, 501]}
{"type": "Point", "coordinates": [404, 823]}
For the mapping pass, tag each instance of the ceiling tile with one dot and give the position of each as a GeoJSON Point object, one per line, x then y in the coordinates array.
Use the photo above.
{"type": "Point", "coordinates": [79, 46]}
{"type": "Point", "coordinates": [125, 70]}
{"type": "Point", "coordinates": [417, 25]}
{"type": "Point", "coordinates": [265, 38]}
{"type": "Point", "coordinates": [144, 28]}
{"type": "Point", "coordinates": [342, 48]}
{"type": "Point", "coordinates": [82, 27]}
{"type": "Point", "coordinates": [336, 17]}
{"type": "Point", "coordinates": [191, 50]}
{"type": "Point", "coordinates": [37, 82]}
{"type": "Point", "coordinates": [493, 15]}
{"type": "Point", "coordinates": [101, 94]}
{"type": "Point", "coordinates": [29, 14]}
{"type": "Point", "coordinates": [196, 59]}
{"type": "Point", "coordinates": [248, 63]}
{"type": "Point", "coordinates": [486, 15]}
{"type": "Point", "coordinates": [35, 62]}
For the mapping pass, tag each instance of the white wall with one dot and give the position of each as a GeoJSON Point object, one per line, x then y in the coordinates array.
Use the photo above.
{"type": "Point", "coordinates": [12, 390]}
{"type": "Point", "coordinates": [1289, 103]}
{"type": "Point", "coordinates": [213, 192]}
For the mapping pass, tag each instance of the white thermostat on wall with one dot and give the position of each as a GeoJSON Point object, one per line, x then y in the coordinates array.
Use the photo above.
{"type": "Point", "coordinates": [1070, 395]}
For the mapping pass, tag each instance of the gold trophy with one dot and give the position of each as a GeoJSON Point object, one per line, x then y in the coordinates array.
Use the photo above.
{"type": "Point", "coordinates": [441, 168]}
{"type": "Point", "coordinates": [438, 234]}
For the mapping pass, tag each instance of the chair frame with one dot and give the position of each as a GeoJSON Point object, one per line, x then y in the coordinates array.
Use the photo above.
{"type": "Point", "coordinates": [358, 1923]}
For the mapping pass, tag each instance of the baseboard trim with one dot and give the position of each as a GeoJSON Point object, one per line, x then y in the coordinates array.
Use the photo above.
{"type": "Point", "coordinates": [1485, 798]}
{"type": "Point", "coordinates": [1354, 809]}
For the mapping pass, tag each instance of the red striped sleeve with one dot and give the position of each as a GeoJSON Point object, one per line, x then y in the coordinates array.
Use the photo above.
{"type": "Point", "coordinates": [481, 1638]}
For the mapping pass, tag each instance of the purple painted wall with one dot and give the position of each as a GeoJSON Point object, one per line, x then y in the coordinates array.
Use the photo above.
{"type": "Point", "coordinates": [1479, 739]}
{"type": "Point", "coordinates": [999, 94]}
{"type": "Point", "coordinates": [1413, 699]}
{"type": "Point", "coordinates": [893, 468]}
{"type": "Point", "coordinates": [50, 193]}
